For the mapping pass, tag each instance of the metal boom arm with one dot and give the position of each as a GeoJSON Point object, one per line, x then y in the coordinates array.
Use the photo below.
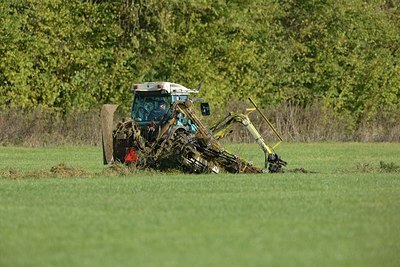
{"type": "Point", "coordinates": [223, 128]}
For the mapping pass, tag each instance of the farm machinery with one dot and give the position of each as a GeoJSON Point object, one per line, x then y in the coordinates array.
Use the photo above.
{"type": "Point", "coordinates": [165, 132]}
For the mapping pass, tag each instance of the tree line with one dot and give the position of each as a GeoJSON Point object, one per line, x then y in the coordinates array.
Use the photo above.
{"type": "Point", "coordinates": [68, 55]}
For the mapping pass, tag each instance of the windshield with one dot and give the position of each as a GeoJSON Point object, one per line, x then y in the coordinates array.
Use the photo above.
{"type": "Point", "coordinates": [147, 108]}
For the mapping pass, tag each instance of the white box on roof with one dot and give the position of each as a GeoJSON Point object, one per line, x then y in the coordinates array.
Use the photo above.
{"type": "Point", "coordinates": [164, 87]}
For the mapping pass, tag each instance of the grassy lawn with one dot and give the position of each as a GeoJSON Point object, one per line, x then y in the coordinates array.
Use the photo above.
{"type": "Point", "coordinates": [340, 215]}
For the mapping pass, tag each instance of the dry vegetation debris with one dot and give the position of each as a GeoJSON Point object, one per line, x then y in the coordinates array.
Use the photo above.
{"type": "Point", "coordinates": [59, 170]}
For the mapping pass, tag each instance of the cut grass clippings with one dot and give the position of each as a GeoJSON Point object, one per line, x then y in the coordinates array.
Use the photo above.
{"type": "Point", "coordinates": [63, 170]}
{"type": "Point", "coordinates": [59, 170]}
{"type": "Point", "coordinates": [382, 167]}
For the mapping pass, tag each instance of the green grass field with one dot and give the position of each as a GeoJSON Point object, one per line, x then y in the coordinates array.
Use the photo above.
{"type": "Point", "coordinates": [345, 213]}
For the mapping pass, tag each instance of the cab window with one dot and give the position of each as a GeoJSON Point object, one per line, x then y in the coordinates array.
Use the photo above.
{"type": "Point", "coordinates": [146, 108]}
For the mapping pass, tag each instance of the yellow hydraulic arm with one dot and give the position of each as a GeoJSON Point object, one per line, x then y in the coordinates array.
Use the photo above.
{"type": "Point", "coordinates": [268, 122]}
{"type": "Point", "coordinates": [223, 128]}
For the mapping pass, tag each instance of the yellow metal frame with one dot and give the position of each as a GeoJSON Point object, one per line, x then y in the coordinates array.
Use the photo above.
{"type": "Point", "coordinates": [248, 111]}
{"type": "Point", "coordinates": [223, 127]}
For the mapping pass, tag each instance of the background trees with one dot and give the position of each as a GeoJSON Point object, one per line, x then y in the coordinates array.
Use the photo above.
{"type": "Point", "coordinates": [69, 55]}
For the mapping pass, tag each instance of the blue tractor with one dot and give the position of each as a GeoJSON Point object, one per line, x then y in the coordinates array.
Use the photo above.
{"type": "Point", "coordinates": [165, 132]}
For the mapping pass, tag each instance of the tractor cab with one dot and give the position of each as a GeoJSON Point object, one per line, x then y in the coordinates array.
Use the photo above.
{"type": "Point", "coordinates": [153, 101]}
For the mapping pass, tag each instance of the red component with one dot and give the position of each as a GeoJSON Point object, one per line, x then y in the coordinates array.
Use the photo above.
{"type": "Point", "coordinates": [135, 87]}
{"type": "Point", "coordinates": [131, 156]}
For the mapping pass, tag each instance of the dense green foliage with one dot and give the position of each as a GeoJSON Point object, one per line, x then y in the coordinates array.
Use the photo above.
{"type": "Point", "coordinates": [75, 54]}
{"type": "Point", "coordinates": [343, 215]}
